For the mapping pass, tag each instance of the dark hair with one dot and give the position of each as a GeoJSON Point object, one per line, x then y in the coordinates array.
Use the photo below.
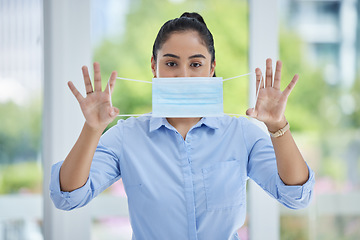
{"type": "Point", "coordinates": [187, 21]}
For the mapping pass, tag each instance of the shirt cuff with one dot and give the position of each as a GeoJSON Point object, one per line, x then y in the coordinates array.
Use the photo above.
{"type": "Point", "coordinates": [66, 200]}
{"type": "Point", "coordinates": [297, 196]}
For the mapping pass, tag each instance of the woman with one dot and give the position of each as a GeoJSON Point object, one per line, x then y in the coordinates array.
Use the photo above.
{"type": "Point", "coordinates": [185, 178]}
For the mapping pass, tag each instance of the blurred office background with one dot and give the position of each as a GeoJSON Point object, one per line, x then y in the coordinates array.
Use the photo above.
{"type": "Point", "coordinates": [318, 39]}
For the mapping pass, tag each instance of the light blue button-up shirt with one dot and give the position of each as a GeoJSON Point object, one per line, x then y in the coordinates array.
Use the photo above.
{"type": "Point", "coordinates": [184, 189]}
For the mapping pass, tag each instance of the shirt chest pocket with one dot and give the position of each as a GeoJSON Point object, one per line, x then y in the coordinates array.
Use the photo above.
{"type": "Point", "coordinates": [224, 185]}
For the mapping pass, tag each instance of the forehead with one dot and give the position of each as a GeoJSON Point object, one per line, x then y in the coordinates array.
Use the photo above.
{"type": "Point", "coordinates": [184, 43]}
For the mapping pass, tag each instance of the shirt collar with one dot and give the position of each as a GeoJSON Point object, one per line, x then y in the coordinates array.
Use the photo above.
{"type": "Point", "coordinates": [156, 123]}
{"type": "Point", "coordinates": [211, 122]}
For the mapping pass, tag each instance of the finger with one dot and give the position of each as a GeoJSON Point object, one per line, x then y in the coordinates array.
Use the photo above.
{"type": "Point", "coordinates": [258, 79]}
{"type": "Point", "coordinates": [76, 93]}
{"type": "Point", "coordinates": [277, 78]}
{"type": "Point", "coordinates": [111, 83]}
{"type": "Point", "coordinates": [269, 73]}
{"type": "Point", "coordinates": [290, 86]}
{"type": "Point", "coordinates": [87, 81]}
{"type": "Point", "coordinates": [97, 77]}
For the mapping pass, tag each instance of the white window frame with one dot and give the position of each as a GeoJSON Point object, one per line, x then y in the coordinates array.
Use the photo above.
{"type": "Point", "coordinates": [264, 220]}
{"type": "Point", "coordinates": [67, 47]}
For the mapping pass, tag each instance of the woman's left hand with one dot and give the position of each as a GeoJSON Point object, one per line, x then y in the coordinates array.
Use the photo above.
{"type": "Point", "coordinates": [271, 102]}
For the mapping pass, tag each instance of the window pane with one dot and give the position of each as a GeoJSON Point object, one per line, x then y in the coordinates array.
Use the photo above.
{"type": "Point", "coordinates": [20, 110]}
{"type": "Point", "coordinates": [318, 41]}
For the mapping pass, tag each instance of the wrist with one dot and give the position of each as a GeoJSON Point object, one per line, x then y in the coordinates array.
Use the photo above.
{"type": "Point", "coordinates": [280, 132]}
{"type": "Point", "coordinates": [276, 126]}
{"type": "Point", "coordinates": [95, 130]}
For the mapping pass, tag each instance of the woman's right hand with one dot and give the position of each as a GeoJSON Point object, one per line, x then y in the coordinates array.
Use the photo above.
{"type": "Point", "coordinates": [96, 106]}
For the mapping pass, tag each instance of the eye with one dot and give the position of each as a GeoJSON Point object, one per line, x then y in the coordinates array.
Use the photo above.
{"type": "Point", "coordinates": [171, 64]}
{"type": "Point", "coordinates": [196, 65]}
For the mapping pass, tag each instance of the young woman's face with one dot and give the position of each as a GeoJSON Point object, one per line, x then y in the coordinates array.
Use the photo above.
{"type": "Point", "coordinates": [183, 55]}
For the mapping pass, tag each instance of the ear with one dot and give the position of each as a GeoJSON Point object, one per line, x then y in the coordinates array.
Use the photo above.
{"type": "Point", "coordinates": [212, 70]}
{"type": "Point", "coordinates": [153, 66]}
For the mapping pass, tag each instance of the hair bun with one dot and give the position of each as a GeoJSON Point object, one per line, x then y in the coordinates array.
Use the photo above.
{"type": "Point", "coordinates": [194, 15]}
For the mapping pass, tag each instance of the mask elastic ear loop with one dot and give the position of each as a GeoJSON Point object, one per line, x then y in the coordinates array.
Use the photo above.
{"type": "Point", "coordinates": [236, 114]}
{"type": "Point", "coordinates": [257, 93]}
{"type": "Point", "coordinates": [133, 80]}
{"type": "Point", "coordinates": [243, 75]}
{"type": "Point", "coordinates": [109, 92]}
{"type": "Point", "coordinates": [133, 115]}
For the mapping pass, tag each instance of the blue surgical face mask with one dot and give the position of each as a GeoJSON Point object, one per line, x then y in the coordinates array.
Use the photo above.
{"type": "Point", "coordinates": [187, 97]}
{"type": "Point", "coordinates": [184, 97]}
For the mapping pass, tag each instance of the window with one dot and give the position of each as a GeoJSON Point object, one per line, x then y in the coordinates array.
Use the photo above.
{"type": "Point", "coordinates": [21, 113]}
{"type": "Point", "coordinates": [326, 116]}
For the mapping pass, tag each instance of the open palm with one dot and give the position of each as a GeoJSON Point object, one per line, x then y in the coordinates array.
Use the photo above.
{"type": "Point", "coordinates": [271, 101]}
{"type": "Point", "coordinates": [96, 106]}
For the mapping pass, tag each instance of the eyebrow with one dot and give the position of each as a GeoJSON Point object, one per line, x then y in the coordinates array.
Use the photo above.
{"type": "Point", "coordinates": [175, 56]}
{"type": "Point", "coordinates": [197, 56]}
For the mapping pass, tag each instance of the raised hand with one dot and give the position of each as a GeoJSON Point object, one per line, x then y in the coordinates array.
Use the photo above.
{"type": "Point", "coordinates": [271, 101]}
{"type": "Point", "coordinates": [96, 106]}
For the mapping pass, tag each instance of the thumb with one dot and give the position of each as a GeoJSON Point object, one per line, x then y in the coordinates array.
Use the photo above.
{"type": "Point", "coordinates": [114, 111]}
{"type": "Point", "coordinates": [251, 112]}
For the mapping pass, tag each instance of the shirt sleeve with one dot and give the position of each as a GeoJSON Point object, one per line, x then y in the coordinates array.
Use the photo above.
{"type": "Point", "coordinates": [262, 169]}
{"type": "Point", "coordinates": [104, 171]}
